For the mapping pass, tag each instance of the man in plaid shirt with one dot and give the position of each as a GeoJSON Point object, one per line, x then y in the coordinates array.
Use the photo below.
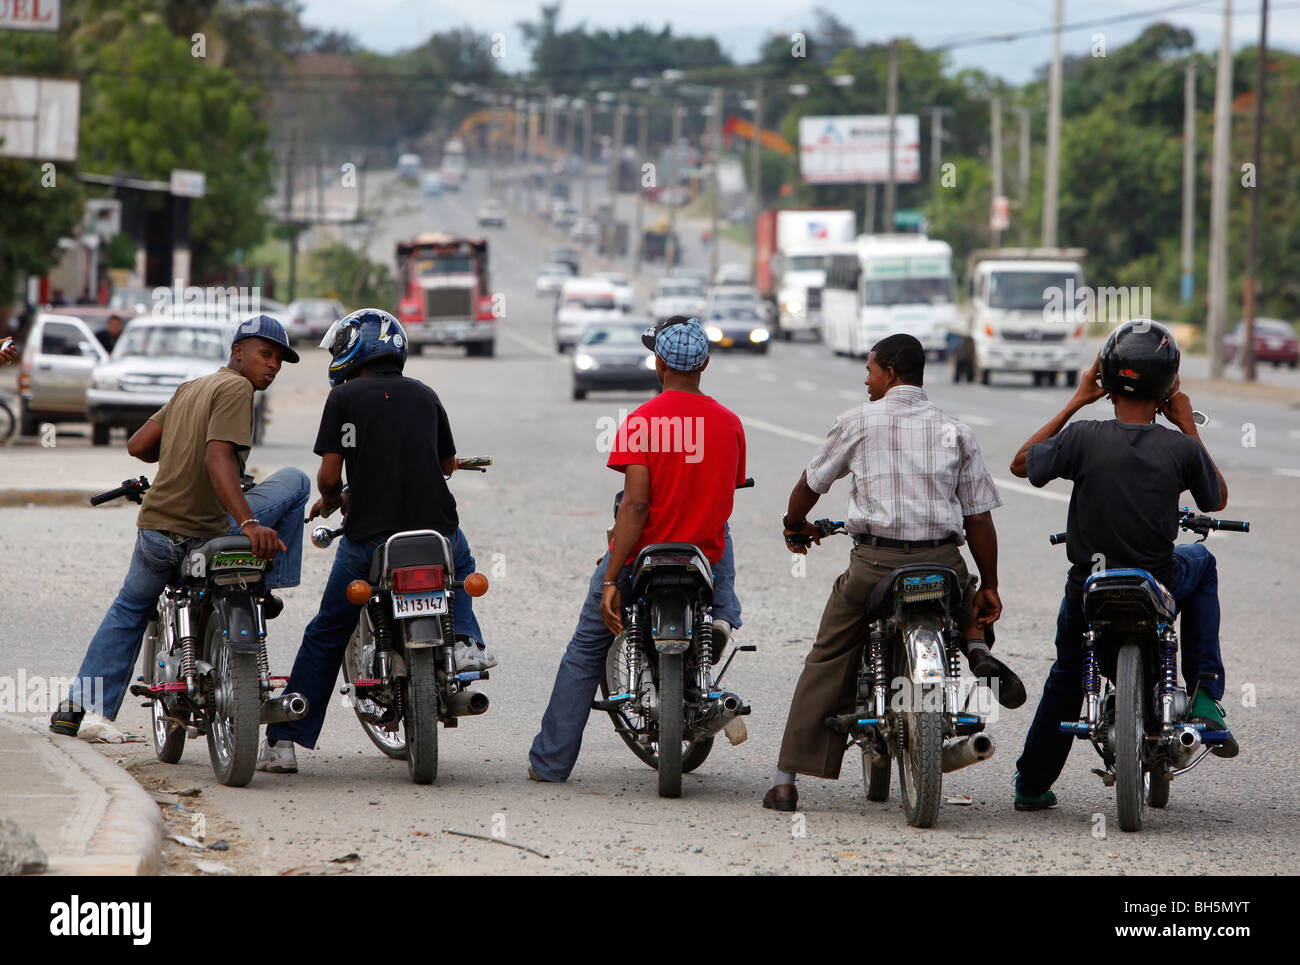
{"type": "Point", "coordinates": [919, 484]}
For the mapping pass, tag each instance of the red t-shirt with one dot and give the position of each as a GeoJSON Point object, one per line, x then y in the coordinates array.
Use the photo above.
{"type": "Point", "coordinates": [695, 451]}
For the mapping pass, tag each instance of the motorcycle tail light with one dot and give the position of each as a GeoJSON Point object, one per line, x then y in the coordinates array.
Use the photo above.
{"type": "Point", "coordinates": [988, 330]}
{"type": "Point", "coordinates": [417, 579]}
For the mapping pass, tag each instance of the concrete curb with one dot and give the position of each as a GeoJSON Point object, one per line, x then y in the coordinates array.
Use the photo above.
{"type": "Point", "coordinates": [46, 497]}
{"type": "Point", "coordinates": [1245, 391]}
{"type": "Point", "coordinates": [126, 838]}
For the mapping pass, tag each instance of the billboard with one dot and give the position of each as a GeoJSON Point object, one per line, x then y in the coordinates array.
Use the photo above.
{"type": "Point", "coordinates": [40, 117]}
{"type": "Point", "coordinates": [854, 149]}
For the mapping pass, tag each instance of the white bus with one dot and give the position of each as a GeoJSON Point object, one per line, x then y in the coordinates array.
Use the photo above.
{"type": "Point", "coordinates": [882, 285]}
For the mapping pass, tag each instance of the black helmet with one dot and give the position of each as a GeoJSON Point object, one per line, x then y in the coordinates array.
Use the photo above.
{"type": "Point", "coordinates": [1140, 360]}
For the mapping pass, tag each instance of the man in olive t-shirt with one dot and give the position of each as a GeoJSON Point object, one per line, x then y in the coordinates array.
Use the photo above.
{"type": "Point", "coordinates": [200, 440]}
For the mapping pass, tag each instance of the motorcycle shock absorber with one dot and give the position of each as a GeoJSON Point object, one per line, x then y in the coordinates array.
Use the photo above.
{"type": "Point", "coordinates": [879, 678]}
{"type": "Point", "coordinates": [703, 634]}
{"type": "Point", "coordinates": [1091, 679]}
{"type": "Point", "coordinates": [1168, 672]}
{"type": "Point", "coordinates": [383, 638]}
{"type": "Point", "coordinates": [449, 636]}
{"type": "Point", "coordinates": [953, 683]}
{"type": "Point", "coordinates": [185, 630]}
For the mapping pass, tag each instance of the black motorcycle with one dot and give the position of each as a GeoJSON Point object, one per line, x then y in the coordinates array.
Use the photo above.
{"type": "Point", "coordinates": [205, 668]}
{"type": "Point", "coordinates": [658, 686]}
{"type": "Point", "coordinates": [909, 705]}
{"type": "Point", "coordinates": [1135, 713]}
{"type": "Point", "coordinates": [399, 667]}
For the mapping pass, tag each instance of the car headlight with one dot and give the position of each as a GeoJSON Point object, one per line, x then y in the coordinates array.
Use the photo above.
{"type": "Point", "coordinates": [794, 306]}
{"type": "Point", "coordinates": [714, 333]}
{"type": "Point", "coordinates": [650, 362]}
{"type": "Point", "coordinates": [585, 362]}
{"type": "Point", "coordinates": [758, 335]}
{"type": "Point", "coordinates": [106, 382]}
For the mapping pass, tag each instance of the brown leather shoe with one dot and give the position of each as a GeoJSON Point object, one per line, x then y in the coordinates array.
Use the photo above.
{"type": "Point", "coordinates": [781, 797]}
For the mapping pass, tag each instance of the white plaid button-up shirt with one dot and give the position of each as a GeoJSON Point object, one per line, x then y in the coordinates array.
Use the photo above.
{"type": "Point", "coordinates": [916, 470]}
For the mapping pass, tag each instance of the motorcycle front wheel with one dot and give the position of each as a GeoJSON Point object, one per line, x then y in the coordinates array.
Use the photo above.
{"type": "Point", "coordinates": [1130, 732]}
{"type": "Point", "coordinates": [234, 705]}
{"type": "Point", "coordinates": [421, 715]}
{"type": "Point", "coordinates": [358, 661]}
{"type": "Point", "coordinates": [168, 738]}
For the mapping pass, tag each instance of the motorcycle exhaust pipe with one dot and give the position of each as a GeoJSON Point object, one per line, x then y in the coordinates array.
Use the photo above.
{"type": "Point", "coordinates": [723, 712]}
{"type": "Point", "coordinates": [467, 703]}
{"type": "Point", "coordinates": [1187, 740]}
{"type": "Point", "coordinates": [965, 751]}
{"type": "Point", "coordinates": [283, 709]}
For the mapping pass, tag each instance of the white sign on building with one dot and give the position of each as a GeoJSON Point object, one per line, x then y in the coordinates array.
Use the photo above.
{"type": "Point", "coordinates": [854, 149]}
{"type": "Point", "coordinates": [40, 117]}
{"type": "Point", "coordinates": [29, 14]}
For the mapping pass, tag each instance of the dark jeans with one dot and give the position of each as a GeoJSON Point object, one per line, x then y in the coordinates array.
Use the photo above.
{"type": "Point", "coordinates": [1196, 595]}
{"type": "Point", "coordinates": [320, 656]}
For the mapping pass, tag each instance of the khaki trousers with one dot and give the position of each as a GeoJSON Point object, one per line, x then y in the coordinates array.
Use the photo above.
{"type": "Point", "coordinates": [828, 684]}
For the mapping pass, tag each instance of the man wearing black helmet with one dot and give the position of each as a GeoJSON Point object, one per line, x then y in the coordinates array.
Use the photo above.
{"type": "Point", "coordinates": [1128, 473]}
{"type": "Point", "coordinates": [393, 436]}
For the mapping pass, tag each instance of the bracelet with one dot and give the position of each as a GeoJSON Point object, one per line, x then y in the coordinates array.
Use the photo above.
{"type": "Point", "coordinates": [802, 523]}
{"type": "Point", "coordinates": [251, 519]}
{"type": "Point", "coordinates": [610, 583]}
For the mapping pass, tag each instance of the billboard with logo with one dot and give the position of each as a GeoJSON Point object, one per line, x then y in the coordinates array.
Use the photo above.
{"type": "Point", "coordinates": [854, 149]}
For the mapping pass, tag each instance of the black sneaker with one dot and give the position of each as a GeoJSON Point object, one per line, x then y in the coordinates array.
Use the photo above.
{"type": "Point", "coordinates": [272, 606]}
{"type": "Point", "coordinates": [67, 719]}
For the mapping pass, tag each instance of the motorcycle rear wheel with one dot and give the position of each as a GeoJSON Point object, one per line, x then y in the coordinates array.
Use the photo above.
{"type": "Point", "coordinates": [234, 709]}
{"type": "Point", "coordinates": [1130, 733]}
{"type": "Point", "coordinates": [357, 662]}
{"type": "Point", "coordinates": [421, 715]}
{"type": "Point", "coordinates": [670, 724]}
{"type": "Point", "coordinates": [614, 681]}
{"type": "Point", "coordinates": [920, 763]}
{"type": "Point", "coordinates": [168, 738]}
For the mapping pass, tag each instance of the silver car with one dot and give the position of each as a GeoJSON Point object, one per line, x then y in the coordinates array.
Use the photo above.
{"type": "Point", "coordinates": [308, 319]}
{"type": "Point", "coordinates": [62, 350]}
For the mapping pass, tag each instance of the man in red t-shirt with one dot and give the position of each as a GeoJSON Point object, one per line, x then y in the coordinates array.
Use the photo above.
{"type": "Point", "coordinates": [683, 455]}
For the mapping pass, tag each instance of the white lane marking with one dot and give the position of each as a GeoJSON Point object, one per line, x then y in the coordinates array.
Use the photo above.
{"type": "Point", "coordinates": [805, 385]}
{"type": "Point", "coordinates": [1287, 472]}
{"type": "Point", "coordinates": [548, 351]}
{"type": "Point", "coordinates": [977, 420]}
{"type": "Point", "coordinates": [1016, 487]}
{"type": "Point", "coordinates": [766, 377]}
{"type": "Point", "coordinates": [783, 431]}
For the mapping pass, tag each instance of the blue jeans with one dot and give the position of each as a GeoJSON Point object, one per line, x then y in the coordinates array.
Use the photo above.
{"type": "Point", "coordinates": [277, 501]}
{"type": "Point", "coordinates": [1196, 595]}
{"type": "Point", "coordinates": [320, 656]}
{"type": "Point", "coordinates": [555, 748]}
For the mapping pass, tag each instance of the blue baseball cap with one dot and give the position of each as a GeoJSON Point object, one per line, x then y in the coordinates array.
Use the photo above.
{"type": "Point", "coordinates": [680, 341]}
{"type": "Point", "coordinates": [264, 326]}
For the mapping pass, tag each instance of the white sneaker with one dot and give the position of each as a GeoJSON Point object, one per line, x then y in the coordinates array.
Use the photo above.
{"type": "Point", "coordinates": [468, 656]}
{"type": "Point", "coordinates": [486, 656]}
{"type": "Point", "coordinates": [277, 759]}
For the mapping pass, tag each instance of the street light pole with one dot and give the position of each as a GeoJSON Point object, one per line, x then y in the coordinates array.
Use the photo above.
{"type": "Point", "coordinates": [755, 172]}
{"type": "Point", "coordinates": [1189, 183]}
{"type": "Point", "coordinates": [642, 149]}
{"type": "Point", "coordinates": [715, 148]}
{"type": "Point", "coordinates": [674, 179]}
{"type": "Point", "coordinates": [1217, 314]}
{"type": "Point", "coordinates": [1252, 255]}
{"type": "Point", "coordinates": [891, 186]}
{"type": "Point", "coordinates": [586, 159]}
{"type": "Point", "coordinates": [1052, 174]}
{"type": "Point", "coordinates": [995, 117]}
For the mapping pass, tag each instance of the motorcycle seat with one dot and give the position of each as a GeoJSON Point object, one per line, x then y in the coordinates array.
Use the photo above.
{"type": "Point", "coordinates": [1122, 588]}
{"type": "Point", "coordinates": [686, 555]}
{"type": "Point", "coordinates": [420, 549]}
{"type": "Point", "coordinates": [882, 594]}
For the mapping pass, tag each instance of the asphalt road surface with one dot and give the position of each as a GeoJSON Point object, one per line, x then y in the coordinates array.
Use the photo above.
{"type": "Point", "coordinates": [536, 523]}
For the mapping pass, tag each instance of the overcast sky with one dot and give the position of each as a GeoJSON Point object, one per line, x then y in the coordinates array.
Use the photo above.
{"type": "Point", "coordinates": [741, 26]}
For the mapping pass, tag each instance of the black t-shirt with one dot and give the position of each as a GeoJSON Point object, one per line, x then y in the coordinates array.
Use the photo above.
{"type": "Point", "coordinates": [392, 433]}
{"type": "Point", "coordinates": [1127, 483]}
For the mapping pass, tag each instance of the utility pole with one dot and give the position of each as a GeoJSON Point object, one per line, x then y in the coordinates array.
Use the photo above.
{"type": "Point", "coordinates": [1189, 183]}
{"type": "Point", "coordinates": [642, 149]}
{"type": "Point", "coordinates": [615, 163]}
{"type": "Point", "coordinates": [995, 117]}
{"type": "Point", "coordinates": [936, 140]}
{"type": "Point", "coordinates": [891, 186]}
{"type": "Point", "coordinates": [1252, 255]}
{"type": "Point", "coordinates": [755, 173]}
{"type": "Point", "coordinates": [288, 218]}
{"type": "Point", "coordinates": [570, 138]}
{"type": "Point", "coordinates": [548, 155]}
{"type": "Point", "coordinates": [1052, 172]}
{"type": "Point", "coordinates": [1217, 315]}
{"type": "Point", "coordinates": [586, 159]}
{"type": "Point", "coordinates": [674, 181]}
{"type": "Point", "coordinates": [715, 148]}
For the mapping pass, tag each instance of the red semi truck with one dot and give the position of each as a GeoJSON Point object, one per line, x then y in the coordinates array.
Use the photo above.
{"type": "Point", "coordinates": [445, 299]}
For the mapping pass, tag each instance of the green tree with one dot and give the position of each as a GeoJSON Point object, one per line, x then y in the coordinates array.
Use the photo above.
{"type": "Point", "coordinates": [41, 204]}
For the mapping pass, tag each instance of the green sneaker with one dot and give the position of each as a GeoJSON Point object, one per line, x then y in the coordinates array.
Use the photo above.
{"type": "Point", "coordinates": [1033, 802]}
{"type": "Point", "coordinates": [1206, 710]}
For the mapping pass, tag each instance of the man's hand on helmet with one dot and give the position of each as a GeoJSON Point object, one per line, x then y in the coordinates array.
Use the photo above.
{"type": "Point", "coordinates": [1090, 390]}
{"type": "Point", "coordinates": [1178, 408]}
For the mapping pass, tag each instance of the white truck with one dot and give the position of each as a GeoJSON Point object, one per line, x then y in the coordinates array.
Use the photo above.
{"type": "Point", "coordinates": [1024, 313]}
{"type": "Point", "coordinates": [794, 244]}
{"type": "Point", "coordinates": [881, 285]}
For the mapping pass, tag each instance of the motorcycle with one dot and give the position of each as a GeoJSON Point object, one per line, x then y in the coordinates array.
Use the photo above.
{"type": "Point", "coordinates": [909, 706]}
{"type": "Point", "coordinates": [658, 685]}
{"type": "Point", "coordinates": [1135, 713]}
{"type": "Point", "coordinates": [204, 668]}
{"type": "Point", "coordinates": [399, 668]}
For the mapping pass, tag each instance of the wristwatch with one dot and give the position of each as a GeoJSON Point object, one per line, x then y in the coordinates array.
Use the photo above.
{"type": "Point", "coordinates": [785, 523]}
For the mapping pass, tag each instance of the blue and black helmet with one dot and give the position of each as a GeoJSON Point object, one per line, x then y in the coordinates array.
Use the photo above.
{"type": "Point", "coordinates": [366, 337]}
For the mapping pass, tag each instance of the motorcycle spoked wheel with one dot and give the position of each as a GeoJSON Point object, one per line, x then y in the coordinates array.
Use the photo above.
{"type": "Point", "coordinates": [1130, 734]}
{"type": "Point", "coordinates": [615, 680]}
{"type": "Point", "coordinates": [359, 661]}
{"type": "Point", "coordinates": [234, 709]}
{"type": "Point", "coordinates": [168, 738]}
{"type": "Point", "coordinates": [421, 714]}
{"type": "Point", "coordinates": [919, 748]}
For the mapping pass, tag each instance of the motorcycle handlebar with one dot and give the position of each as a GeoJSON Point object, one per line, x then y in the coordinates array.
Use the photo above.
{"type": "Point", "coordinates": [747, 484]}
{"type": "Point", "coordinates": [475, 463]}
{"type": "Point", "coordinates": [1189, 522]}
{"type": "Point", "coordinates": [132, 489]}
{"type": "Point", "coordinates": [1056, 538]}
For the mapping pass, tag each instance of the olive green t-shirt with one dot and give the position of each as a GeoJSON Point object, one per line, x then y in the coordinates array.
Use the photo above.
{"type": "Point", "coordinates": [182, 498]}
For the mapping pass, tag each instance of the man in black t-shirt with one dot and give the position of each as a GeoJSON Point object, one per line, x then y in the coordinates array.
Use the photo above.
{"type": "Point", "coordinates": [1128, 475]}
{"type": "Point", "coordinates": [392, 435]}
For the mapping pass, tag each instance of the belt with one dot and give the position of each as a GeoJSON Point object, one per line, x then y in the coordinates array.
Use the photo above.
{"type": "Point", "coordinates": [866, 539]}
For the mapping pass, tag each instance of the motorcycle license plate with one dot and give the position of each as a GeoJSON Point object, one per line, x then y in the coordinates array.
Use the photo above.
{"type": "Point", "coordinates": [408, 605]}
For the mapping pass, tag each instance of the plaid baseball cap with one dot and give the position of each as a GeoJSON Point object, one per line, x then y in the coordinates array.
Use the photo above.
{"type": "Point", "coordinates": [264, 326]}
{"type": "Point", "coordinates": [680, 341]}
